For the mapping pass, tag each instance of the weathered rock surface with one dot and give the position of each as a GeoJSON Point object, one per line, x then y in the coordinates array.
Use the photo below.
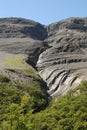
{"type": "Point", "coordinates": [64, 64]}
{"type": "Point", "coordinates": [19, 35]}
{"type": "Point", "coordinates": [21, 28]}
{"type": "Point", "coordinates": [58, 51]}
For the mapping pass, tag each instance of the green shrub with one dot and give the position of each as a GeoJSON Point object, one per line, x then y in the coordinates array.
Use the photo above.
{"type": "Point", "coordinates": [4, 79]}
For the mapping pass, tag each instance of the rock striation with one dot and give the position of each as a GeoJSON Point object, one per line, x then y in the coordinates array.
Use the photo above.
{"type": "Point", "coordinates": [57, 51]}
{"type": "Point", "coordinates": [64, 64]}
{"type": "Point", "coordinates": [21, 28]}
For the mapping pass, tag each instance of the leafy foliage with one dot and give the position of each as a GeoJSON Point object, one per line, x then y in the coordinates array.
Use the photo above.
{"type": "Point", "coordinates": [17, 99]}
{"type": "Point", "coordinates": [22, 108]}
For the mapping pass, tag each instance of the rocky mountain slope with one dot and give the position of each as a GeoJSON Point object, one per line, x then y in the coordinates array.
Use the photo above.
{"type": "Point", "coordinates": [64, 64]}
{"type": "Point", "coordinates": [58, 51]}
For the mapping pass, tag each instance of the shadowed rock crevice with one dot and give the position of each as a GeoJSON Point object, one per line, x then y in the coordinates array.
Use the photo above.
{"type": "Point", "coordinates": [34, 55]}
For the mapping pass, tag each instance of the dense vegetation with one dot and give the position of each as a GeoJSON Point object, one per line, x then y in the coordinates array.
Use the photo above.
{"type": "Point", "coordinates": [16, 100]}
{"type": "Point", "coordinates": [22, 108]}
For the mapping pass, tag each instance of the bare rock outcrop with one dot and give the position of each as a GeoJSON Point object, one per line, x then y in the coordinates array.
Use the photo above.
{"type": "Point", "coordinates": [21, 28]}
{"type": "Point", "coordinates": [64, 64]}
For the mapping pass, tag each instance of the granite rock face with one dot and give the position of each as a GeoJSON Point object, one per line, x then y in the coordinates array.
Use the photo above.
{"type": "Point", "coordinates": [57, 51]}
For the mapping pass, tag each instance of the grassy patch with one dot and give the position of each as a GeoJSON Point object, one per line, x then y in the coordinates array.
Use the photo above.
{"type": "Point", "coordinates": [15, 61]}
{"type": "Point", "coordinates": [19, 62]}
